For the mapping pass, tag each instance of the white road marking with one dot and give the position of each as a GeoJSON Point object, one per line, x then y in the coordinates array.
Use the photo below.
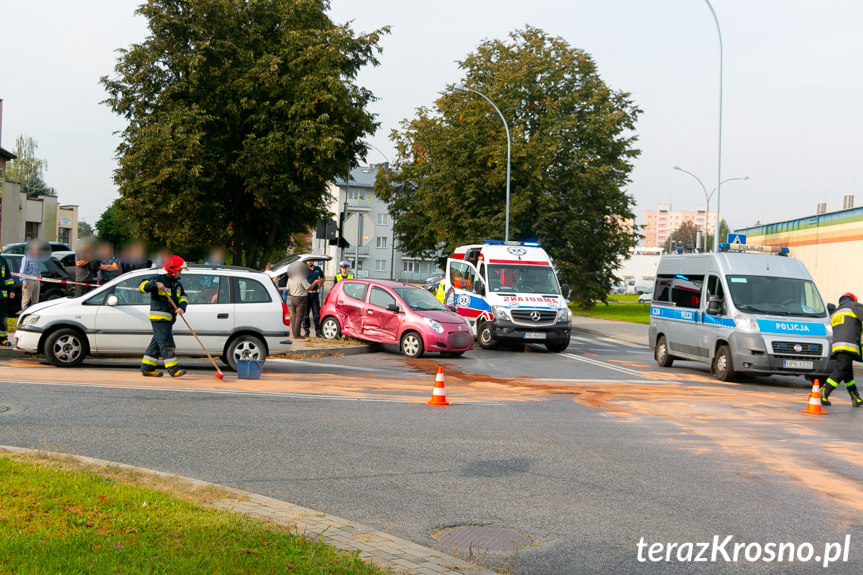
{"type": "Point", "coordinates": [598, 363]}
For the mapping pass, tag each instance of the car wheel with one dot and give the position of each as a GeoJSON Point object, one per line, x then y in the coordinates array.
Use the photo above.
{"type": "Point", "coordinates": [723, 368]}
{"type": "Point", "coordinates": [660, 353]}
{"type": "Point", "coordinates": [412, 344]}
{"type": "Point", "coordinates": [54, 294]}
{"type": "Point", "coordinates": [556, 345]}
{"type": "Point", "coordinates": [330, 328]}
{"type": "Point", "coordinates": [66, 347]}
{"type": "Point", "coordinates": [245, 347]}
{"type": "Point", "coordinates": [486, 340]}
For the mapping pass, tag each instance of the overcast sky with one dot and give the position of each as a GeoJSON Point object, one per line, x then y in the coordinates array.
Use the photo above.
{"type": "Point", "coordinates": [792, 116]}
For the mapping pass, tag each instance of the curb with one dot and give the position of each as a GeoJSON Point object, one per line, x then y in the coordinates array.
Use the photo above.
{"type": "Point", "coordinates": [400, 555]}
{"type": "Point", "coordinates": [327, 351]}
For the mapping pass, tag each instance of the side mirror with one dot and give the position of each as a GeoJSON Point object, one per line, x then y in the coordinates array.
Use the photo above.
{"type": "Point", "coordinates": [714, 305]}
{"type": "Point", "coordinates": [112, 300]}
{"type": "Point", "coordinates": [831, 308]}
{"type": "Point", "coordinates": [564, 291]}
{"type": "Point", "coordinates": [452, 308]}
{"type": "Point", "coordinates": [479, 287]}
{"type": "Point", "coordinates": [393, 308]}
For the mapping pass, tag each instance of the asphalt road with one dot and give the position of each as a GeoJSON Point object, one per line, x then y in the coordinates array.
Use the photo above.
{"type": "Point", "coordinates": [587, 451]}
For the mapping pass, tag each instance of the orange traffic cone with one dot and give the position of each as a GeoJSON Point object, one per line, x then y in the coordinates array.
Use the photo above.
{"type": "Point", "coordinates": [814, 406]}
{"type": "Point", "coordinates": [439, 392]}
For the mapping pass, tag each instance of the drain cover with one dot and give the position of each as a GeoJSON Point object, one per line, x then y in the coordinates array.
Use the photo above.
{"type": "Point", "coordinates": [483, 538]}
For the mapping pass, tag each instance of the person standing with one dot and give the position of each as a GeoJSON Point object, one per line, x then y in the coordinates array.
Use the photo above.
{"type": "Point", "coordinates": [298, 288]}
{"type": "Point", "coordinates": [30, 267]}
{"type": "Point", "coordinates": [87, 267]}
{"type": "Point", "coordinates": [6, 292]}
{"type": "Point", "coordinates": [109, 266]}
{"type": "Point", "coordinates": [163, 315]}
{"type": "Point", "coordinates": [344, 272]}
{"type": "Point", "coordinates": [315, 277]}
{"type": "Point", "coordinates": [847, 323]}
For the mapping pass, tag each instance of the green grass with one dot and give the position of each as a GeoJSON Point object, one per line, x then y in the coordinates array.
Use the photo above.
{"type": "Point", "coordinates": [625, 311]}
{"type": "Point", "coordinates": [54, 519]}
{"type": "Point", "coordinates": [10, 323]}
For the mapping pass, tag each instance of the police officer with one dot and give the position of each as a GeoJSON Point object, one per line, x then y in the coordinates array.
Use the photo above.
{"type": "Point", "coordinates": [6, 291]}
{"type": "Point", "coordinates": [163, 315]}
{"type": "Point", "coordinates": [344, 272]}
{"type": "Point", "coordinates": [847, 323]}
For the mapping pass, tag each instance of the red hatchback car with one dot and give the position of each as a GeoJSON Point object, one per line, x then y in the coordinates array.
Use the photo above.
{"type": "Point", "coordinates": [391, 312]}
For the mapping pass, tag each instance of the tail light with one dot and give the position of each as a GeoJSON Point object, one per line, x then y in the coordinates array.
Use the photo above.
{"type": "Point", "coordinates": [286, 314]}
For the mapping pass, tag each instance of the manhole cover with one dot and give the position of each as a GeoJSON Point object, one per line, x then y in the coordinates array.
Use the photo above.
{"type": "Point", "coordinates": [483, 538]}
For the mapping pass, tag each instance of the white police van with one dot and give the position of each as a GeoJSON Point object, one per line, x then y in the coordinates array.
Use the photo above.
{"type": "Point", "coordinates": [509, 292]}
{"type": "Point", "coordinates": [744, 309]}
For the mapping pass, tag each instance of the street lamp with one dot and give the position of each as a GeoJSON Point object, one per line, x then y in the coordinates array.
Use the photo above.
{"type": "Point", "coordinates": [393, 229]}
{"type": "Point", "coordinates": [463, 88]}
{"type": "Point", "coordinates": [719, 160]}
{"type": "Point", "coordinates": [707, 197]}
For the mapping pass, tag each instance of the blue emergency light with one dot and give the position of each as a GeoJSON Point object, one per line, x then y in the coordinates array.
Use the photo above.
{"type": "Point", "coordinates": [511, 243]}
{"type": "Point", "coordinates": [493, 242]}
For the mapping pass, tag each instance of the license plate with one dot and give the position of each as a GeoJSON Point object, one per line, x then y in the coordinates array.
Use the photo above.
{"type": "Point", "coordinates": [797, 364]}
{"type": "Point", "coordinates": [534, 335]}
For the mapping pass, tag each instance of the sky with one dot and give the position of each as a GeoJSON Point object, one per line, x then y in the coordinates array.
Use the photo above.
{"type": "Point", "coordinates": [792, 84]}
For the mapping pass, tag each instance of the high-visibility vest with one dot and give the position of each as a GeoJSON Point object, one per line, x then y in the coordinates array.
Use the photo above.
{"type": "Point", "coordinates": [441, 291]}
{"type": "Point", "coordinates": [339, 277]}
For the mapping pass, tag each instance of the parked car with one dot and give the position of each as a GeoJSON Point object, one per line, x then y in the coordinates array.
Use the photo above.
{"type": "Point", "coordinates": [67, 261]}
{"type": "Point", "coordinates": [48, 290]}
{"type": "Point", "coordinates": [396, 313]}
{"type": "Point", "coordinates": [431, 287]}
{"type": "Point", "coordinates": [618, 289]}
{"type": "Point", "coordinates": [20, 247]}
{"type": "Point", "coordinates": [237, 312]}
{"type": "Point", "coordinates": [647, 296]}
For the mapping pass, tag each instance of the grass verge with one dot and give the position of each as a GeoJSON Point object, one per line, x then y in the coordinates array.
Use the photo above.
{"type": "Point", "coordinates": [631, 312]}
{"type": "Point", "coordinates": [61, 517]}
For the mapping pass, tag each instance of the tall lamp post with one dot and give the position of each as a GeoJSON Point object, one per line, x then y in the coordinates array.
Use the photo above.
{"type": "Point", "coordinates": [707, 197]}
{"type": "Point", "coordinates": [393, 243]}
{"type": "Point", "coordinates": [463, 88]}
{"type": "Point", "coordinates": [719, 159]}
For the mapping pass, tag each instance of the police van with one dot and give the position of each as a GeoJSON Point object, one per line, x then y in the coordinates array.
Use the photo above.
{"type": "Point", "coordinates": [743, 309]}
{"type": "Point", "coordinates": [509, 291]}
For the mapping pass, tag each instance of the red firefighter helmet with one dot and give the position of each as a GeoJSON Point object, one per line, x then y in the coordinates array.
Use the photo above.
{"type": "Point", "coordinates": [851, 295]}
{"type": "Point", "coordinates": [175, 264]}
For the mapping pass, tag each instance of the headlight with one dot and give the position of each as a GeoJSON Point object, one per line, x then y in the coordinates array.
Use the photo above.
{"type": "Point", "coordinates": [829, 330]}
{"type": "Point", "coordinates": [434, 324]}
{"type": "Point", "coordinates": [745, 323]}
{"type": "Point", "coordinates": [500, 312]}
{"type": "Point", "coordinates": [563, 315]}
{"type": "Point", "coordinates": [30, 320]}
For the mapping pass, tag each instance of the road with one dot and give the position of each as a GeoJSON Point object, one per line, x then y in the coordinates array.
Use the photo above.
{"type": "Point", "coordinates": [587, 451]}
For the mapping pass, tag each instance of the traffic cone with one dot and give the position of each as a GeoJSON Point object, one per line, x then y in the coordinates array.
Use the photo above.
{"type": "Point", "coordinates": [439, 392]}
{"type": "Point", "coordinates": [814, 406]}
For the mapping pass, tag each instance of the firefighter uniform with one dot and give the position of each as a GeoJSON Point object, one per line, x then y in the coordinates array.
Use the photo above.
{"type": "Point", "coordinates": [6, 285]}
{"type": "Point", "coordinates": [162, 318]}
{"type": "Point", "coordinates": [847, 323]}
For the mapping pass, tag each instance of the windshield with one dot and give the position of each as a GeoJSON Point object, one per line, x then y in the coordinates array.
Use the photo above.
{"type": "Point", "coordinates": [522, 279]}
{"type": "Point", "coordinates": [776, 296]}
{"type": "Point", "coordinates": [419, 299]}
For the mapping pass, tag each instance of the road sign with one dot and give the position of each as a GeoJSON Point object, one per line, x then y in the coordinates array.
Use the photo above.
{"type": "Point", "coordinates": [736, 238]}
{"type": "Point", "coordinates": [366, 233]}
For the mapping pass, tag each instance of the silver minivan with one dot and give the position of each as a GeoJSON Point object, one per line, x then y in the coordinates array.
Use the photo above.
{"type": "Point", "coordinates": [740, 312]}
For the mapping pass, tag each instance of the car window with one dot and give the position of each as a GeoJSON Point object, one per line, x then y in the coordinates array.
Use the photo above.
{"type": "Point", "coordinates": [205, 289]}
{"type": "Point", "coordinates": [128, 292]}
{"type": "Point", "coordinates": [381, 298]}
{"type": "Point", "coordinates": [355, 290]}
{"type": "Point", "coordinates": [249, 291]}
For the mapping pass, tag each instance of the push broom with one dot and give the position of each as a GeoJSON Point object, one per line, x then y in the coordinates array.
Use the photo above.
{"type": "Point", "coordinates": [219, 373]}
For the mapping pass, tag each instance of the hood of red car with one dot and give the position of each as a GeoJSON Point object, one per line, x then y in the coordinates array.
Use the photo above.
{"type": "Point", "coordinates": [443, 316]}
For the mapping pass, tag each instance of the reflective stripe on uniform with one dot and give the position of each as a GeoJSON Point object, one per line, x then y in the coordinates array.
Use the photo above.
{"type": "Point", "coordinates": [160, 316]}
{"type": "Point", "coordinates": [849, 347]}
{"type": "Point", "coordinates": [149, 360]}
{"type": "Point", "coordinates": [838, 318]}
{"type": "Point", "coordinates": [164, 293]}
{"type": "Point", "coordinates": [171, 362]}
{"type": "Point", "coordinates": [143, 285]}
{"type": "Point", "coordinates": [184, 300]}
{"type": "Point", "coordinates": [849, 383]}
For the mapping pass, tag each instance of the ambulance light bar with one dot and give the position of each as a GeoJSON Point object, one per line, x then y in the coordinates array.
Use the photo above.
{"type": "Point", "coordinates": [725, 247]}
{"type": "Point", "coordinates": [503, 243]}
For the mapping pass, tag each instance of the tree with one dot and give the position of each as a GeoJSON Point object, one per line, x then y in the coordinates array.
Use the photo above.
{"type": "Point", "coordinates": [723, 234]}
{"type": "Point", "coordinates": [686, 234]}
{"type": "Point", "coordinates": [238, 113]}
{"type": "Point", "coordinates": [572, 146]}
{"type": "Point", "coordinates": [28, 169]}
{"type": "Point", "coordinates": [115, 226]}
{"type": "Point", "coordinates": [85, 230]}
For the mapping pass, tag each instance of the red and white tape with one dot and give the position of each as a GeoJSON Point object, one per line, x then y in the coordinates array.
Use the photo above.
{"type": "Point", "coordinates": [52, 280]}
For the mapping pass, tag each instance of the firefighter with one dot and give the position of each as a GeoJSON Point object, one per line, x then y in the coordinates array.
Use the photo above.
{"type": "Point", "coordinates": [6, 291]}
{"type": "Point", "coordinates": [847, 323]}
{"type": "Point", "coordinates": [163, 315]}
{"type": "Point", "coordinates": [344, 272]}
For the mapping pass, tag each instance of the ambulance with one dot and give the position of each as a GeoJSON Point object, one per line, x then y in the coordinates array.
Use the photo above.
{"type": "Point", "coordinates": [509, 292]}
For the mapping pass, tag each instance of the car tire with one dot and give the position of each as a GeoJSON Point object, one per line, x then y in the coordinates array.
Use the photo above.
{"type": "Point", "coordinates": [330, 328]}
{"type": "Point", "coordinates": [660, 353]}
{"type": "Point", "coordinates": [411, 345]}
{"type": "Point", "coordinates": [556, 345]}
{"type": "Point", "coordinates": [723, 367]}
{"type": "Point", "coordinates": [484, 336]}
{"type": "Point", "coordinates": [66, 347]}
{"type": "Point", "coordinates": [245, 347]}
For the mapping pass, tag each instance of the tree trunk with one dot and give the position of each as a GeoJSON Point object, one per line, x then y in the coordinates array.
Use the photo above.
{"type": "Point", "coordinates": [271, 242]}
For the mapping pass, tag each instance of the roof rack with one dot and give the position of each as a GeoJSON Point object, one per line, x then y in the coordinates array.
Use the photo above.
{"type": "Point", "coordinates": [750, 248]}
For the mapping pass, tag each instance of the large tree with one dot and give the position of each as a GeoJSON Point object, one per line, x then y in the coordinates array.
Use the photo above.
{"type": "Point", "coordinates": [572, 147]}
{"type": "Point", "coordinates": [28, 169]}
{"type": "Point", "coordinates": [115, 226]}
{"type": "Point", "coordinates": [239, 112]}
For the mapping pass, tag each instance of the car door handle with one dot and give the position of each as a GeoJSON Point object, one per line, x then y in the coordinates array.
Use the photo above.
{"type": "Point", "coordinates": [222, 316]}
{"type": "Point", "coordinates": [370, 312]}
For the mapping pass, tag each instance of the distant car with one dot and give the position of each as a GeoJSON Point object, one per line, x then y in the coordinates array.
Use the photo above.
{"type": "Point", "coordinates": [434, 279]}
{"type": "Point", "coordinates": [383, 311]}
{"type": "Point", "coordinates": [20, 247]}
{"type": "Point", "coordinates": [280, 269]}
{"type": "Point", "coordinates": [618, 289]}
{"type": "Point", "coordinates": [50, 268]}
{"type": "Point", "coordinates": [431, 287]}
{"type": "Point", "coordinates": [67, 261]}
{"type": "Point", "coordinates": [236, 312]}
{"type": "Point", "coordinates": [647, 296]}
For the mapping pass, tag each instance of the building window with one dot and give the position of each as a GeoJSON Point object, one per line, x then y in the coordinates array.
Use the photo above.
{"type": "Point", "coordinates": [383, 219]}
{"type": "Point", "coordinates": [380, 265]}
{"type": "Point", "coordinates": [411, 266]}
{"type": "Point", "coordinates": [64, 235]}
{"type": "Point", "coordinates": [31, 230]}
{"type": "Point", "coordinates": [357, 194]}
{"type": "Point", "coordinates": [381, 242]}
